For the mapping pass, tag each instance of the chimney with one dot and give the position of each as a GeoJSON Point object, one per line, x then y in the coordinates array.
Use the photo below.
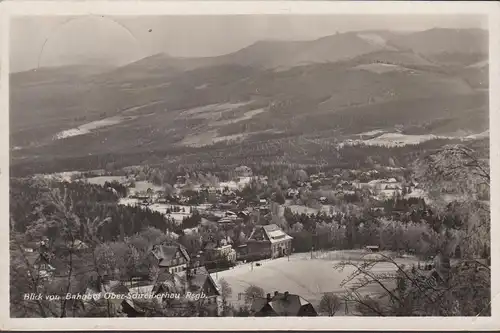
{"type": "Point", "coordinates": [268, 297]}
{"type": "Point", "coordinates": [285, 295]}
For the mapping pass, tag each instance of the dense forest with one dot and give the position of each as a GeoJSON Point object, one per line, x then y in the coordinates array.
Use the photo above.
{"type": "Point", "coordinates": [89, 202]}
{"type": "Point", "coordinates": [282, 151]}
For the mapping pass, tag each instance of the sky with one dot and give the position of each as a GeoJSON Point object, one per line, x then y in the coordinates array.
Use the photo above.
{"type": "Point", "coordinates": [41, 41]}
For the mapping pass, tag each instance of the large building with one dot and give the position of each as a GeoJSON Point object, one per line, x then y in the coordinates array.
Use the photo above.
{"type": "Point", "coordinates": [269, 241]}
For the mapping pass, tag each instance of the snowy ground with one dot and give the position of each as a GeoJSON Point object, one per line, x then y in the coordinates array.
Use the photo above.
{"type": "Point", "coordinates": [299, 274]}
{"type": "Point", "coordinates": [103, 179]}
{"type": "Point", "coordinates": [143, 186]}
{"type": "Point", "coordinates": [185, 211]}
{"type": "Point", "coordinates": [299, 209]}
{"type": "Point", "coordinates": [59, 176]}
{"type": "Point", "coordinates": [90, 127]}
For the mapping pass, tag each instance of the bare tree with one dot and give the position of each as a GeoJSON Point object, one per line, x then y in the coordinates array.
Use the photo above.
{"type": "Point", "coordinates": [57, 223]}
{"type": "Point", "coordinates": [462, 289]}
{"type": "Point", "coordinates": [457, 177]}
{"type": "Point", "coordinates": [252, 292]}
{"type": "Point", "coordinates": [226, 292]}
{"type": "Point", "coordinates": [330, 303]}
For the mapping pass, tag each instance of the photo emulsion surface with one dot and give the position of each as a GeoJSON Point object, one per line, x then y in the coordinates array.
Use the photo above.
{"type": "Point", "coordinates": [249, 166]}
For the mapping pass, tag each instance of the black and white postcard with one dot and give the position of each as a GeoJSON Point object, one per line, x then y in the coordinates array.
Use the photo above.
{"type": "Point", "coordinates": [212, 163]}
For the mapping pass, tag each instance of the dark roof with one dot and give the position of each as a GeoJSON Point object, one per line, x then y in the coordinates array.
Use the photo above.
{"type": "Point", "coordinates": [272, 233]}
{"type": "Point", "coordinates": [200, 278]}
{"type": "Point", "coordinates": [164, 275]}
{"type": "Point", "coordinates": [167, 252]}
{"type": "Point", "coordinates": [169, 282]}
{"type": "Point", "coordinates": [258, 303]}
{"type": "Point", "coordinates": [282, 304]}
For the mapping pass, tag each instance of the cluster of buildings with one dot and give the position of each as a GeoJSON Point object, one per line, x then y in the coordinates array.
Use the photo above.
{"type": "Point", "coordinates": [265, 242]}
{"type": "Point", "coordinates": [382, 188]}
{"type": "Point", "coordinates": [176, 273]}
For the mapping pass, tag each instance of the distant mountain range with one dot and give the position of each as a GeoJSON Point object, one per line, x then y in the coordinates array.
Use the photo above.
{"type": "Point", "coordinates": [434, 81]}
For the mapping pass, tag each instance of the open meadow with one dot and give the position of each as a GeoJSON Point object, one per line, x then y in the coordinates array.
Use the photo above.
{"type": "Point", "coordinates": [301, 275]}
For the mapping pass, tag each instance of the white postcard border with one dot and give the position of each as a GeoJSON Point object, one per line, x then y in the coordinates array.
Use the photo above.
{"type": "Point", "coordinates": [133, 8]}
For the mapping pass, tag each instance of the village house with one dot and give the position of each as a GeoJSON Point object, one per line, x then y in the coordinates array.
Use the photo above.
{"type": "Point", "coordinates": [173, 258]}
{"type": "Point", "coordinates": [127, 305]}
{"type": "Point", "coordinates": [228, 221]}
{"type": "Point", "coordinates": [381, 188]}
{"type": "Point", "coordinates": [383, 184]}
{"type": "Point", "coordinates": [282, 305]}
{"type": "Point", "coordinates": [166, 283]}
{"type": "Point", "coordinates": [199, 280]}
{"type": "Point", "coordinates": [269, 240]}
{"type": "Point", "coordinates": [214, 251]}
{"type": "Point", "coordinates": [195, 281]}
{"type": "Point", "coordinates": [178, 272]}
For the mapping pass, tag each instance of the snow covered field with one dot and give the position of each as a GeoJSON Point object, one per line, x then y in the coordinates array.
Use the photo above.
{"type": "Point", "coordinates": [298, 209]}
{"type": "Point", "coordinates": [103, 179]}
{"type": "Point", "coordinates": [394, 139]}
{"type": "Point", "coordinates": [300, 274]}
{"type": "Point", "coordinates": [92, 126]}
{"type": "Point", "coordinates": [60, 176]}
{"type": "Point", "coordinates": [185, 211]}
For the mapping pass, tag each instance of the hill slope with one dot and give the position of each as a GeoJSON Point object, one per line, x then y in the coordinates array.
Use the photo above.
{"type": "Point", "coordinates": [331, 87]}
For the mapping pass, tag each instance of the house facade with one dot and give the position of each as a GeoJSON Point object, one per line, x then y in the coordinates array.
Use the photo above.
{"type": "Point", "coordinates": [269, 241]}
{"type": "Point", "coordinates": [173, 258]}
{"type": "Point", "coordinates": [222, 251]}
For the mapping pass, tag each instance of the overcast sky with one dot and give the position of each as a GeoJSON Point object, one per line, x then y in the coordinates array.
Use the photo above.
{"type": "Point", "coordinates": [58, 40]}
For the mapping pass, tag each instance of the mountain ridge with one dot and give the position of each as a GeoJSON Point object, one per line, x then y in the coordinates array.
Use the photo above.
{"type": "Point", "coordinates": [262, 90]}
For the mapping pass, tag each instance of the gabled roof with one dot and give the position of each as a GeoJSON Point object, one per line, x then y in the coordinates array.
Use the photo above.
{"type": "Point", "coordinates": [167, 252]}
{"type": "Point", "coordinates": [275, 234]}
{"type": "Point", "coordinates": [164, 275]}
{"type": "Point", "coordinates": [169, 282]}
{"type": "Point", "coordinates": [258, 303]}
{"type": "Point", "coordinates": [199, 279]}
{"type": "Point", "coordinates": [271, 233]}
{"type": "Point", "coordinates": [282, 304]}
